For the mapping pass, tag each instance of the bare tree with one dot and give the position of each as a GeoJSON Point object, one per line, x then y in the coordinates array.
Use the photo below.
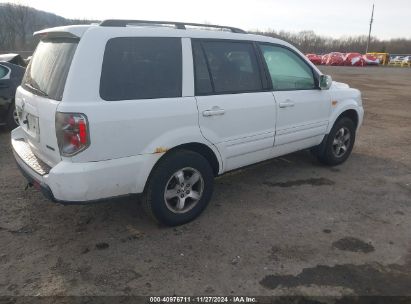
{"type": "Point", "coordinates": [309, 42]}
{"type": "Point", "coordinates": [18, 22]}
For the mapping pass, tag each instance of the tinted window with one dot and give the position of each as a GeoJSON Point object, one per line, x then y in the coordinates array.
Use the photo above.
{"type": "Point", "coordinates": [202, 77]}
{"type": "Point", "coordinates": [3, 71]}
{"type": "Point", "coordinates": [141, 68]}
{"type": "Point", "coordinates": [47, 72]}
{"type": "Point", "coordinates": [233, 66]}
{"type": "Point", "coordinates": [287, 70]}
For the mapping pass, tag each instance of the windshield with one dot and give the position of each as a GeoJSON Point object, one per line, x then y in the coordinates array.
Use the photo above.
{"type": "Point", "coordinates": [47, 72]}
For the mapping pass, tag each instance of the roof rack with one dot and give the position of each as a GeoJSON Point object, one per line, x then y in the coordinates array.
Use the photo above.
{"type": "Point", "coordinates": [177, 25]}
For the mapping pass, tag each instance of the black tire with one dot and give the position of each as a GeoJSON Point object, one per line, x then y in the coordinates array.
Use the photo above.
{"type": "Point", "coordinates": [163, 175]}
{"type": "Point", "coordinates": [327, 151]}
{"type": "Point", "coordinates": [10, 121]}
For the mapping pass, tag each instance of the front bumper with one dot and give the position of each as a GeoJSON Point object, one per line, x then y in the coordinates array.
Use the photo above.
{"type": "Point", "coordinates": [360, 112]}
{"type": "Point", "coordinates": [69, 182]}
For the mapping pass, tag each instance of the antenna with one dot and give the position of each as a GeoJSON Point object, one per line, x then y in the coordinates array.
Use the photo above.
{"type": "Point", "coordinates": [369, 33]}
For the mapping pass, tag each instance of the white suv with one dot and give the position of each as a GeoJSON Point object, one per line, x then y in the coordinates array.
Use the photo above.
{"type": "Point", "coordinates": [161, 108]}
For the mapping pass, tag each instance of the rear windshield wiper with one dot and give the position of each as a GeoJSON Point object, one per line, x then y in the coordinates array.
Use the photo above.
{"type": "Point", "coordinates": [41, 92]}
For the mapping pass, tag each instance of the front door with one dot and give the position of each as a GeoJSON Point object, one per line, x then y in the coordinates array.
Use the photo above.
{"type": "Point", "coordinates": [303, 109]}
{"type": "Point", "coordinates": [235, 113]}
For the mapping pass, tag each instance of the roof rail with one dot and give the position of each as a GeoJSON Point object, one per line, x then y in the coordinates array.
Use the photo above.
{"type": "Point", "coordinates": [177, 25]}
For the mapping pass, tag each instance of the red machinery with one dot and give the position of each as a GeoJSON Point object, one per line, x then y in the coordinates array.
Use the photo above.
{"type": "Point", "coordinates": [371, 60]}
{"type": "Point", "coordinates": [348, 59]}
{"type": "Point", "coordinates": [354, 59]}
{"type": "Point", "coordinates": [314, 58]}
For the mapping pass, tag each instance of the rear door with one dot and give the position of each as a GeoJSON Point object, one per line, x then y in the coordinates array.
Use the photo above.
{"type": "Point", "coordinates": [40, 93]}
{"type": "Point", "coordinates": [236, 113]}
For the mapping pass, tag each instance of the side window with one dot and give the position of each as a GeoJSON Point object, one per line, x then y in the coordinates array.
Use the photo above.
{"type": "Point", "coordinates": [233, 67]}
{"type": "Point", "coordinates": [203, 84]}
{"type": "Point", "coordinates": [3, 71]}
{"type": "Point", "coordinates": [287, 70]}
{"type": "Point", "coordinates": [141, 68]}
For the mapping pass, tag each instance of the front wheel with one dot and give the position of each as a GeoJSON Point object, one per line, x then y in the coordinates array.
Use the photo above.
{"type": "Point", "coordinates": [339, 143]}
{"type": "Point", "coordinates": [179, 188]}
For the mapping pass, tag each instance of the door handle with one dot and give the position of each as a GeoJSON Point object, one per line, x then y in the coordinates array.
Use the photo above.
{"type": "Point", "coordinates": [287, 104]}
{"type": "Point", "coordinates": [213, 112]}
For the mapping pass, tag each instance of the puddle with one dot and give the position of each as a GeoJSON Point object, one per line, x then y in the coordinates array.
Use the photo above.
{"type": "Point", "coordinates": [102, 246]}
{"type": "Point", "coordinates": [353, 245]}
{"type": "Point", "coordinates": [367, 279]}
{"type": "Point", "coordinates": [311, 181]}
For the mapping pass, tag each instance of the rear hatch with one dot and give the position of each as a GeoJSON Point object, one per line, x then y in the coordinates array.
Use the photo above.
{"type": "Point", "coordinates": [40, 93]}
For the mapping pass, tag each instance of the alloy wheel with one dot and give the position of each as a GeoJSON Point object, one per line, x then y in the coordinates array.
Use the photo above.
{"type": "Point", "coordinates": [183, 190]}
{"type": "Point", "coordinates": [341, 142]}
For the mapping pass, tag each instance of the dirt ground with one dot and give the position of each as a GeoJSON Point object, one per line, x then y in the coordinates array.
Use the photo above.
{"type": "Point", "coordinates": [283, 227]}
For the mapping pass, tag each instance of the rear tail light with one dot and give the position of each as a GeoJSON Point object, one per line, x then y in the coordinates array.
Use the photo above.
{"type": "Point", "coordinates": [72, 133]}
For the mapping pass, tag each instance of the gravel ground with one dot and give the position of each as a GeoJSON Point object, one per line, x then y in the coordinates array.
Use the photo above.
{"type": "Point", "coordinates": [283, 227]}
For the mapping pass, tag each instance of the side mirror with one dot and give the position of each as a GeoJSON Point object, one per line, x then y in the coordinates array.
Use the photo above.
{"type": "Point", "coordinates": [325, 82]}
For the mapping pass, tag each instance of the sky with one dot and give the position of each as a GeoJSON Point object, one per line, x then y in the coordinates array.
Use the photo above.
{"type": "Point", "coordinates": [335, 18]}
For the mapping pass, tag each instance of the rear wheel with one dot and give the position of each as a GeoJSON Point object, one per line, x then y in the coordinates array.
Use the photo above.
{"type": "Point", "coordinates": [12, 120]}
{"type": "Point", "coordinates": [179, 188]}
{"type": "Point", "coordinates": [339, 143]}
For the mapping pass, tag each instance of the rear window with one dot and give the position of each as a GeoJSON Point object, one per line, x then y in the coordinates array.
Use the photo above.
{"type": "Point", "coordinates": [47, 72]}
{"type": "Point", "coordinates": [233, 66]}
{"type": "Point", "coordinates": [141, 68]}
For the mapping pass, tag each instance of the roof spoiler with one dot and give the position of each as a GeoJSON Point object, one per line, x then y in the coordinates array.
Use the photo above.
{"type": "Point", "coordinates": [62, 32]}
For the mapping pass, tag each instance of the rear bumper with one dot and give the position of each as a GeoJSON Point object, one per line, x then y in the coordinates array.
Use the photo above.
{"type": "Point", "coordinates": [44, 189]}
{"type": "Point", "coordinates": [69, 182]}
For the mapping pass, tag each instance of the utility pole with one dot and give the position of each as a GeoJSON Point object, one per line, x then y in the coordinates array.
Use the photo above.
{"type": "Point", "coordinates": [369, 33]}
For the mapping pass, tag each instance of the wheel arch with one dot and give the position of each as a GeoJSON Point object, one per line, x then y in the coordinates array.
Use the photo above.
{"type": "Point", "coordinates": [349, 110]}
{"type": "Point", "coordinates": [351, 114]}
{"type": "Point", "coordinates": [201, 149]}
{"type": "Point", "coordinates": [212, 156]}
